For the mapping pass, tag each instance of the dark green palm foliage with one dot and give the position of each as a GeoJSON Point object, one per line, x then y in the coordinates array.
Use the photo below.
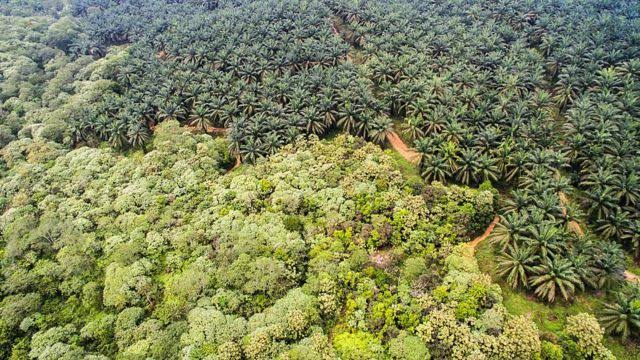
{"type": "Point", "coordinates": [622, 317]}
{"type": "Point", "coordinates": [467, 166]}
{"type": "Point", "coordinates": [413, 127]}
{"type": "Point", "coordinates": [571, 212]}
{"type": "Point", "coordinates": [435, 168]}
{"type": "Point", "coordinates": [549, 203]}
{"type": "Point", "coordinates": [314, 121]}
{"type": "Point", "coordinates": [271, 142]}
{"type": "Point", "coordinates": [379, 128]}
{"type": "Point", "coordinates": [627, 188]}
{"type": "Point", "coordinates": [546, 239]}
{"type": "Point", "coordinates": [508, 232]}
{"type": "Point", "coordinates": [519, 201]}
{"type": "Point", "coordinates": [200, 118]}
{"type": "Point", "coordinates": [555, 277]}
{"type": "Point", "coordinates": [515, 263]}
{"type": "Point", "coordinates": [615, 224]}
{"type": "Point", "coordinates": [348, 116]}
{"type": "Point", "coordinates": [170, 111]}
{"type": "Point", "coordinates": [117, 132]}
{"type": "Point", "coordinates": [600, 202]}
{"type": "Point", "coordinates": [535, 175]}
{"type": "Point", "coordinates": [138, 135]}
{"type": "Point", "coordinates": [632, 238]}
{"type": "Point", "coordinates": [559, 185]}
{"type": "Point", "coordinates": [251, 149]}
{"type": "Point", "coordinates": [609, 259]}
{"type": "Point", "coordinates": [504, 154]}
{"type": "Point", "coordinates": [487, 168]}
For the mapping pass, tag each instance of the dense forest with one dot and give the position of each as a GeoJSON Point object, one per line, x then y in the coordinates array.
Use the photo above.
{"type": "Point", "coordinates": [315, 179]}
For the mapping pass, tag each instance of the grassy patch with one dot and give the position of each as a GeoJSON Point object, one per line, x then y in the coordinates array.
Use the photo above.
{"type": "Point", "coordinates": [632, 266]}
{"type": "Point", "coordinates": [409, 171]}
{"type": "Point", "coordinates": [550, 318]}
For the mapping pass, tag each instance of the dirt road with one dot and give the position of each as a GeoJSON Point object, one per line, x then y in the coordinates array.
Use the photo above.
{"type": "Point", "coordinates": [486, 233]}
{"type": "Point", "coordinates": [398, 145]}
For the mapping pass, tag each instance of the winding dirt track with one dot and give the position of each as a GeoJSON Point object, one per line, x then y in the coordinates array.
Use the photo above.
{"type": "Point", "coordinates": [414, 157]}
{"type": "Point", "coordinates": [398, 145]}
{"type": "Point", "coordinates": [486, 233]}
{"type": "Point", "coordinates": [209, 130]}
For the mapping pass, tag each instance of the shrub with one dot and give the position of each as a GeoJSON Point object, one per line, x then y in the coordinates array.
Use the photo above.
{"type": "Point", "coordinates": [293, 223]}
{"type": "Point", "coordinates": [584, 337]}
{"type": "Point", "coordinates": [408, 347]}
{"type": "Point", "coordinates": [358, 346]}
{"type": "Point", "coordinates": [550, 351]}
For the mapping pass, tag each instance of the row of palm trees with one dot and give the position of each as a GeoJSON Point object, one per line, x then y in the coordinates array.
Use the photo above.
{"type": "Point", "coordinates": [267, 72]}
{"type": "Point", "coordinates": [259, 115]}
{"type": "Point", "coordinates": [534, 96]}
{"type": "Point", "coordinates": [538, 252]}
{"type": "Point", "coordinates": [540, 97]}
{"type": "Point", "coordinates": [483, 91]}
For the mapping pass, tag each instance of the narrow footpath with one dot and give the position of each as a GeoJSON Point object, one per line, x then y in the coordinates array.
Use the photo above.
{"type": "Point", "coordinates": [414, 157]}
{"type": "Point", "coordinates": [398, 145]}
{"type": "Point", "coordinates": [473, 244]}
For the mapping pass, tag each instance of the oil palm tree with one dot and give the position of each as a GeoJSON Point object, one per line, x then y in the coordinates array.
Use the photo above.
{"type": "Point", "coordinates": [515, 264]}
{"type": "Point", "coordinates": [545, 239]}
{"type": "Point", "coordinates": [615, 224]}
{"type": "Point", "coordinates": [200, 118]}
{"type": "Point", "coordinates": [609, 259]}
{"type": "Point", "coordinates": [348, 116]}
{"type": "Point", "coordinates": [170, 110]}
{"type": "Point", "coordinates": [435, 168]}
{"type": "Point", "coordinates": [413, 126]}
{"type": "Point", "coordinates": [518, 201]}
{"type": "Point", "coordinates": [622, 317]}
{"type": "Point", "coordinates": [251, 149]}
{"type": "Point", "coordinates": [380, 127]}
{"type": "Point", "coordinates": [627, 188]}
{"type": "Point", "coordinates": [508, 232]}
{"type": "Point", "coordinates": [632, 238]}
{"type": "Point", "coordinates": [117, 133]}
{"type": "Point", "coordinates": [487, 168]}
{"type": "Point", "coordinates": [555, 277]}
{"type": "Point", "coordinates": [467, 166]}
{"type": "Point", "coordinates": [314, 121]}
{"type": "Point", "coordinates": [600, 202]}
{"type": "Point", "coordinates": [138, 135]}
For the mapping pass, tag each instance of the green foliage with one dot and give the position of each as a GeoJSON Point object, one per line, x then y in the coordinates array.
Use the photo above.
{"type": "Point", "coordinates": [129, 254]}
{"type": "Point", "coordinates": [128, 286]}
{"type": "Point", "coordinates": [408, 347]}
{"type": "Point", "coordinates": [293, 223]}
{"type": "Point", "coordinates": [550, 351]}
{"type": "Point", "coordinates": [584, 338]}
{"type": "Point", "coordinates": [623, 316]}
{"type": "Point", "coordinates": [109, 254]}
{"type": "Point", "coordinates": [359, 345]}
{"type": "Point", "coordinates": [210, 330]}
